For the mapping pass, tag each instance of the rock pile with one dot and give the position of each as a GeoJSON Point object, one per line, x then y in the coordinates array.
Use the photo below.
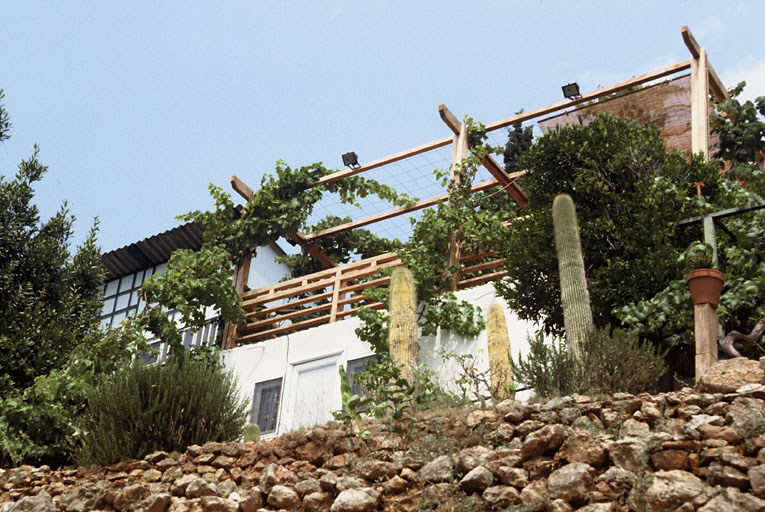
{"type": "Point", "coordinates": [682, 451]}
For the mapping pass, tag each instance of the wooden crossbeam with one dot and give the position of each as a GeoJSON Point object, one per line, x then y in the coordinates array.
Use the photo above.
{"type": "Point", "coordinates": [561, 105]}
{"type": "Point", "coordinates": [246, 192]}
{"type": "Point", "coordinates": [508, 121]}
{"type": "Point", "coordinates": [402, 155]}
{"type": "Point", "coordinates": [401, 211]}
{"type": "Point", "coordinates": [488, 161]}
{"type": "Point", "coordinates": [690, 42]}
{"type": "Point", "coordinates": [716, 85]}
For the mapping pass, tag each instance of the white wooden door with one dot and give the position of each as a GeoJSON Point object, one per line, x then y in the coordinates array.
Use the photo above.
{"type": "Point", "coordinates": [315, 392]}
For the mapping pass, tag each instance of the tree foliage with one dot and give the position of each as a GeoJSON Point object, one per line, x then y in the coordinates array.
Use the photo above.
{"type": "Point", "coordinates": [631, 192]}
{"type": "Point", "coordinates": [50, 297]}
{"type": "Point", "coordinates": [51, 345]}
{"type": "Point", "coordinates": [741, 249]}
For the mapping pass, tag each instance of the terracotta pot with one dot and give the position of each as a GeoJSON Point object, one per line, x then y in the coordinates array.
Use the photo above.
{"type": "Point", "coordinates": [705, 285]}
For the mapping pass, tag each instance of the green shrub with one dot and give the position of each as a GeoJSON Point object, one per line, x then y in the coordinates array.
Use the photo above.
{"type": "Point", "coordinates": [549, 369]}
{"type": "Point", "coordinates": [145, 408]}
{"type": "Point", "coordinates": [618, 361]}
{"type": "Point", "coordinates": [611, 361]}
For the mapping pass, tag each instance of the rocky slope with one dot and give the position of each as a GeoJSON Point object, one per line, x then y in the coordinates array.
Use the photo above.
{"type": "Point", "coordinates": [683, 451]}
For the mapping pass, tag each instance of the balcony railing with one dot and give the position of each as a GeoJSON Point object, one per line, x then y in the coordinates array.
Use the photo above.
{"type": "Point", "coordinates": [335, 294]}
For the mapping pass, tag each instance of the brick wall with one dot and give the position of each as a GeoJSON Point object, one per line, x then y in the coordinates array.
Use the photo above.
{"type": "Point", "coordinates": [667, 104]}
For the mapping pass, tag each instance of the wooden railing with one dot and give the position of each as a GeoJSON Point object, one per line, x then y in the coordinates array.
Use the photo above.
{"type": "Point", "coordinates": [336, 294]}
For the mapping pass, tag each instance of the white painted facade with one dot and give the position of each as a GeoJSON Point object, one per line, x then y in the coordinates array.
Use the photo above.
{"type": "Point", "coordinates": [302, 368]}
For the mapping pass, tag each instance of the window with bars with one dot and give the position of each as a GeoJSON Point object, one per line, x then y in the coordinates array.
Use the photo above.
{"type": "Point", "coordinates": [265, 410]}
{"type": "Point", "coordinates": [121, 296]}
{"type": "Point", "coordinates": [356, 366]}
{"type": "Point", "coordinates": [121, 300]}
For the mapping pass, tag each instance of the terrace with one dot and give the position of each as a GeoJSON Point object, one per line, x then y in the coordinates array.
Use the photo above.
{"type": "Point", "coordinates": [675, 97]}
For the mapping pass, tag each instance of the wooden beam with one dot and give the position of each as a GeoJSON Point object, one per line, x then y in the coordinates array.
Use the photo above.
{"type": "Point", "coordinates": [246, 192]}
{"type": "Point", "coordinates": [460, 147]}
{"type": "Point", "coordinates": [518, 118]}
{"type": "Point", "coordinates": [449, 118]}
{"type": "Point", "coordinates": [700, 105]}
{"type": "Point", "coordinates": [690, 42]}
{"type": "Point", "coordinates": [561, 105]}
{"type": "Point", "coordinates": [241, 188]}
{"type": "Point", "coordinates": [716, 85]}
{"type": "Point", "coordinates": [488, 161]}
{"type": "Point", "coordinates": [423, 148]}
{"type": "Point", "coordinates": [311, 249]}
{"type": "Point", "coordinates": [401, 210]}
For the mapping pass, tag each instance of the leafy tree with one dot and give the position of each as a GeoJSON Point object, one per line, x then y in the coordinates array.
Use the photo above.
{"type": "Point", "coordinates": [519, 139]}
{"type": "Point", "coordinates": [741, 247]}
{"type": "Point", "coordinates": [741, 131]}
{"type": "Point", "coordinates": [50, 300]}
{"type": "Point", "coordinates": [631, 193]}
{"type": "Point", "coordinates": [51, 345]}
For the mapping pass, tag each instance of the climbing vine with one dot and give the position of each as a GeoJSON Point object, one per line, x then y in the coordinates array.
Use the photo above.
{"type": "Point", "coordinates": [197, 280]}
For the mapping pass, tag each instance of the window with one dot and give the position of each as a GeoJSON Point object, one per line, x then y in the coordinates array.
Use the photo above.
{"type": "Point", "coordinates": [121, 301]}
{"type": "Point", "coordinates": [357, 366]}
{"type": "Point", "coordinates": [265, 405]}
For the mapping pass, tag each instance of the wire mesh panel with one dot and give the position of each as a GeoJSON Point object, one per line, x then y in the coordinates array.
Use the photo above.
{"type": "Point", "coordinates": [415, 176]}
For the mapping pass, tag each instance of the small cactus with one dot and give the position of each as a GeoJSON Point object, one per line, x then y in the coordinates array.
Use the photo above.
{"type": "Point", "coordinates": [403, 333]}
{"type": "Point", "coordinates": [499, 350]}
{"type": "Point", "coordinates": [574, 296]}
{"type": "Point", "coordinates": [251, 433]}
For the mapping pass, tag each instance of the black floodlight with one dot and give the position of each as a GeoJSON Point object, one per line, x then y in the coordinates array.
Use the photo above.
{"type": "Point", "coordinates": [351, 160]}
{"type": "Point", "coordinates": [571, 91]}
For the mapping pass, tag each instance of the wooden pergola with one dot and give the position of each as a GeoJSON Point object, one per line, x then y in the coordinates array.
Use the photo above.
{"type": "Point", "coordinates": [703, 79]}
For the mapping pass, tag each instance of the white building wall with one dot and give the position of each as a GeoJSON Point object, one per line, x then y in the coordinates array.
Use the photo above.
{"type": "Point", "coordinates": [308, 361]}
{"type": "Point", "coordinates": [264, 271]}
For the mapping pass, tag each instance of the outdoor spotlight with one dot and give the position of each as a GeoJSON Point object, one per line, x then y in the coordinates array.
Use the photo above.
{"type": "Point", "coordinates": [351, 160]}
{"type": "Point", "coordinates": [571, 91]}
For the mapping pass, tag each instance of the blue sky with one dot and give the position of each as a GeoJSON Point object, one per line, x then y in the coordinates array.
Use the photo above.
{"type": "Point", "coordinates": [137, 106]}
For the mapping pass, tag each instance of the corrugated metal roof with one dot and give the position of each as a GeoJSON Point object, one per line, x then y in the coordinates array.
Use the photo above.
{"type": "Point", "coordinates": [151, 251]}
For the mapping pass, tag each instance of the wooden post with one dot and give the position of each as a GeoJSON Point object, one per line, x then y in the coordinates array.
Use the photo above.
{"type": "Point", "coordinates": [336, 296]}
{"type": "Point", "coordinates": [706, 325]}
{"type": "Point", "coordinates": [459, 153]}
{"type": "Point", "coordinates": [241, 276]}
{"type": "Point", "coordinates": [699, 96]}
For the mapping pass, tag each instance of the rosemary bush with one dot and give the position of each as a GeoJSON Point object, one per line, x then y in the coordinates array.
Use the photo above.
{"type": "Point", "coordinates": [610, 362]}
{"type": "Point", "coordinates": [145, 408]}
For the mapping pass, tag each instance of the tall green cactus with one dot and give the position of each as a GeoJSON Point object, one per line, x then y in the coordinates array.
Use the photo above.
{"type": "Point", "coordinates": [499, 353]}
{"type": "Point", "coordinates": [574, 296]}
{"type": "Point", "coordinates": [403, 333]}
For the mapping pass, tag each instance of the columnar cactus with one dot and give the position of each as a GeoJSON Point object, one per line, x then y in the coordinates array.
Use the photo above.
{"type": "Point", "coordinates": [251, 433]}
{"type": "Point", "coordinates": [574, 296]}
{"type": "Point", "coordinates": [499, 352]}
{"type": "Point", "coordinates": [403, 333]}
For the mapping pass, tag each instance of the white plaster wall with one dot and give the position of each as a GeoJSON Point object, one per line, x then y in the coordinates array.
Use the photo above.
{"type": "Point", "coordinates": [433, 348]}
{"type": "Point", "coordinates": [337, 344]}
{"type": "Point", "coordinates": [264, 271]}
